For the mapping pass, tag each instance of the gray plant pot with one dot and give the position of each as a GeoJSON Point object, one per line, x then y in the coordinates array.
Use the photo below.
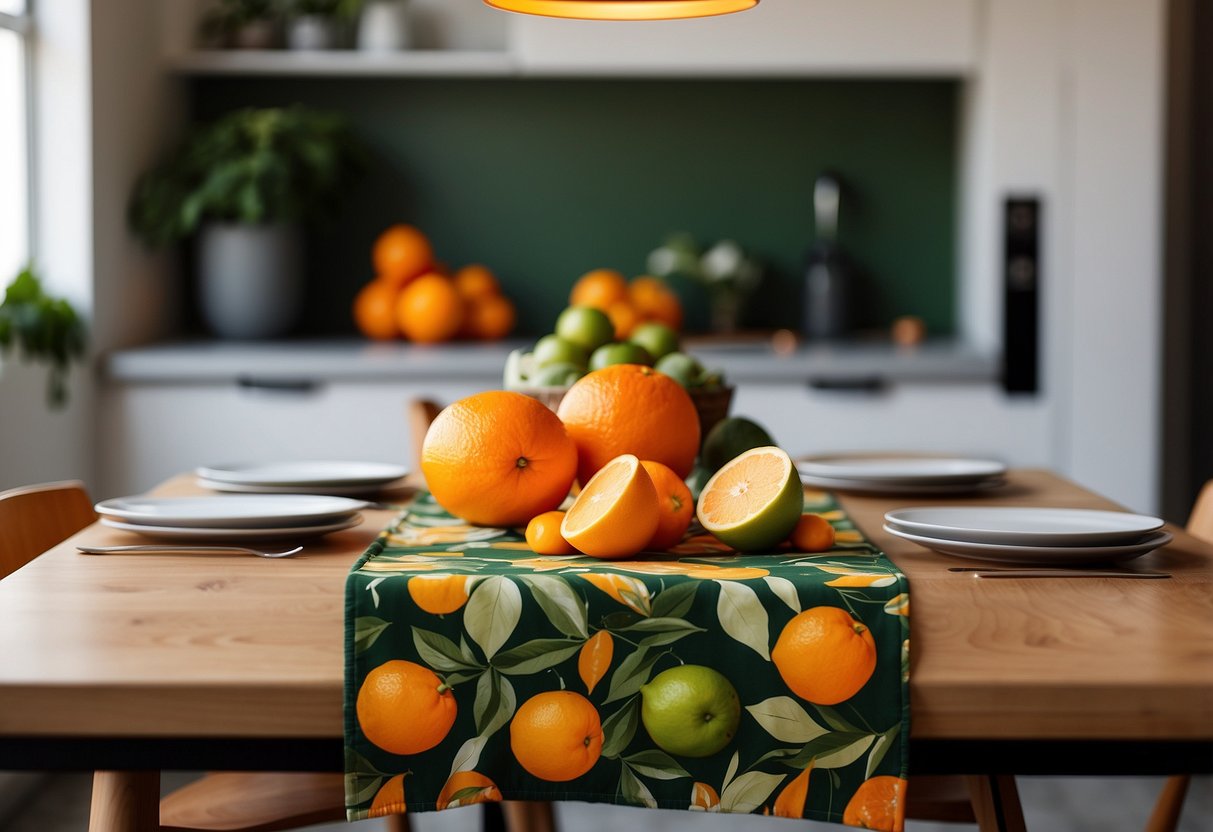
{"type": "Point", "coordinates": [256, 34]}
{"type": "Point", "coordinates": [313, 32]}
{"type": "Point", "coordinates": [384, 26]}
{"type": "Point", "coordinates": [250, 278]}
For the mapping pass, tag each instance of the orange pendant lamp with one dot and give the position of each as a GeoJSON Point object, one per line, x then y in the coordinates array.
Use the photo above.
{"type": "Point", "coordinates": [624, 9]}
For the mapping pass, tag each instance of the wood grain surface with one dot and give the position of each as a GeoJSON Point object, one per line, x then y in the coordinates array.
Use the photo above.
{"type": "Point", "coordinates": [236, 646]}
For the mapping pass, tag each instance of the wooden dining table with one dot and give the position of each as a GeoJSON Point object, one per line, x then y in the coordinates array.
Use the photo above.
{"type": "Point", "coordinates": [158, 662]}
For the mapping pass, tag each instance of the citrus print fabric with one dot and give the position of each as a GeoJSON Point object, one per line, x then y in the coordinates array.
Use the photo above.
{"type": "Point", "coordinates": [477, 671]}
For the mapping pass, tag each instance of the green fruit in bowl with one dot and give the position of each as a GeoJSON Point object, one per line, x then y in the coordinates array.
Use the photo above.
{"type": "Point", "coordinates": [557, 375]}
{"type": "Point", "coordinates": [519, 366]}
{"type": "Point", "coordinates": [585, 326]}
{"type": "Point", "coordinates": [552, 349]}
{"type": "Point", "coordinates": [680, 367]}
{"type": "Point", "coordinates": [657, 339]}
{"type": "Point", "coordinates": [622, 353]}
{"type": "Point", "coordinates": [690, 710]}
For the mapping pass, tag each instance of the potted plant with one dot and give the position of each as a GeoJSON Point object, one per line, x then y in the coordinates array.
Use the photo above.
{"type": "Point", "coordinates": [41, 329]}
{"type": "Point", "coordinates": [725, 270]}
{"type": "Point", "coordinates": [384, 26]}
{"type": "Point", "coordinates": [319, 24]}
{"type": "Point", "coordinates": [245, 184]}
{"type": "Point", "coordinates": [242, 24]}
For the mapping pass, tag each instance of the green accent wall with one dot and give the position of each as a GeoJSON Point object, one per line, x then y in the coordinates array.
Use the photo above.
{"type": "Point", "coordinates": [543, 180]}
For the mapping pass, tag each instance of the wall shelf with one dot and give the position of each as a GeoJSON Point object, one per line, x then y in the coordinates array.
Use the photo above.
{"type": "Point", "coordinates": [345, 63]}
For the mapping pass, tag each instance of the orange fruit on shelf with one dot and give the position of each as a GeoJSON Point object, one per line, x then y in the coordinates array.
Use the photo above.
{"type": "Point", "coordinates": [599, 288]}
{"type": "Point", "coordinates": [655, 301]}
{"type": "Point", "coordinates": [405, 708]}
{"type": "Point", "coordinates": [476, 281]}
{"type": "Point", "coordinates": [878, 803]}
{"type": "Point", "coordinates": [824, 655]}
{"type": "Point", "coordinates": [675, 507]}
{"type": "Point", "coordinates": [375, 310]}
{"type": "Point", "coordinates": [813, 533]}
{"type": "Point", "coordinates": [488, 318]}
{"type": "Point", "coordinates": [389, 800]}
{"type": "Point", "coordinates": [439, 594]}
{"type": "Point", "coordinates": [402, 253]}
{"type": "Point", "coordinates": [543, 535]}
{"type": "Point", "coordinates": [790, 803]}
{"type": "Point", "coordinates": [498, 459]}
{"type": "Point", "coordinates": [630, 409]}
{"type": "Point", "coordinates": [556, 735]}
{"type": "Point", "coordinates": [463, 788]}
{"type": "Point", "coordinates": [624, 318]}
{"type": "Point", "coordinates": [616, 513]}
{"type": "Point", "coordinates": [429, 309]}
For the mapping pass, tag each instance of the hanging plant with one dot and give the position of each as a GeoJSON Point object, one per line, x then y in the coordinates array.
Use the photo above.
{"type": "Point", "coordinates": [41, 329]}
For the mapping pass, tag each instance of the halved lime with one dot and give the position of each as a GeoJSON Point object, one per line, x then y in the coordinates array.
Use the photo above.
{"type": "Point", "coordinates": [754, 502]}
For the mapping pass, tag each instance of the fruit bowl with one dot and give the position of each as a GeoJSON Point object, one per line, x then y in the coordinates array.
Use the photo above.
{"type": "Point", "coordinates": [712, 404]}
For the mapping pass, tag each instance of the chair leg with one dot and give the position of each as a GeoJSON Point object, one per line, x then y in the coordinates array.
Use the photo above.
{"type": "Point", "coordinates": [125, 801]}
{"type": "Point", "coordinates": [996, 803]}
{"type": "Point", "coordinates": [528, 816]}
{"type": "Point", "coordinates": [1165, 817]}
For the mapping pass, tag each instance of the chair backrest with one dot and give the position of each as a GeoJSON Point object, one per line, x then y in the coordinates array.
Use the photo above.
{"type": "Point", "coordinates": [421, 413]}
{"type": "Point", "coordinates": [1200, 521]}
{"type": "Point", "coordinates": [36, 517]}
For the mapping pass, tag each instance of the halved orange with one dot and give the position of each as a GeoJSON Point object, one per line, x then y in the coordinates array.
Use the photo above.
{"type": "Point", "coordinates": [616, 512]}
{"type": "Point", "coordinates": [754, 502]}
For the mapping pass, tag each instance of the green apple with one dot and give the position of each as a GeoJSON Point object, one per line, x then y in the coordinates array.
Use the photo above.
{"type": "Point", "coordinates": [680, 367]}
{"type": "Point", "coordinates": [657, 339]}
{"type": "Point", "coordinates": [585, 326]}
{"type": "Point", "coordinates": [552, 349]}
{"type": "Point", "coordinates": [624, 352]}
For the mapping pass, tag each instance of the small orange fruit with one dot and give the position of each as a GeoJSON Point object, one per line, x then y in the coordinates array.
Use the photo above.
{"type": "Point", "coordinates": [405, 708]}
{"type": "Point", "coordinates": [790, 803]}
{"type": "Point", "coordinates": [704, 797]}
{"type": "Point", "coordinates": [813, 533]}
{"type": "Point", "coordinates": [543, 535]}
{"type": "Point", "coordinates": [489, 318]}
{"type": "Point", "coordinates": [599, 288]}
{"type": "Point", "coordinates": [624, 318]}
{"type": "Point", "coordinates": [655, 301]}
{"type": "Point", "coordinates": [557, 735]}
{"type": "Point", "coordinates": [878, 803]}
{"type": "Point", "coordinates": [498, 459]}
{"type": "Point", "coordinates": [476, 281]}
{"type": "Point", "coordinates": [375, 310]}
{"type": "Point", "coordinates": [389, 800]}
{"type": "Point", "coordinates": [675, 506]}
{"type": "Point", "coordinates": [629, 409]}
{"type": "Point", "coordinates": [616, 514]}
{"type": "Point", "coordinates": [439, 594]}
{"type": "Point", "coordinates": [463, 788]}
{"type": "Point", "coordinates": [429, 309]}
{"type": "Point", "coordinates": [595, 658]}
{"type": "Point", "coordinates": [402, 253]}
{"type": "Point", "coordinates": [824, 655]}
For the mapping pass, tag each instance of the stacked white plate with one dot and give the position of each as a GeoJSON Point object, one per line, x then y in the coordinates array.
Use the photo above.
{"type": "Point", "coordinates": [1053, 536]}
{"type": "Point", "coordinates": [314, 477]}
{"type": "Point", "coordinates": [231, 518]}
{"type": "Point", "coordinates": [921, 476]}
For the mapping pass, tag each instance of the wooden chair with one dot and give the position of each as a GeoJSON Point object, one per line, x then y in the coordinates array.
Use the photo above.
{"type": "Point", "coordinates": [36, 517]}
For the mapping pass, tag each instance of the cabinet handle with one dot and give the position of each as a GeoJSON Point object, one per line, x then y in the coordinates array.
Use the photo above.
{"type": "Point", "coordinates": [296, 386]}
{"type": "Point", "coordinates": [848, 384]}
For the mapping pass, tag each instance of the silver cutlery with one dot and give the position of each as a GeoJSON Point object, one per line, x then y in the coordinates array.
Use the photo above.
{"type": "Point", "coordinates": [182, 549]}
{"type": "Point", "coordinates": [1046, 572]}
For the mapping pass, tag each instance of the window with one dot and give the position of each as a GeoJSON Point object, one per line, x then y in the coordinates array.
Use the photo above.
{"type": "Point", "coordinates": [15, 115]}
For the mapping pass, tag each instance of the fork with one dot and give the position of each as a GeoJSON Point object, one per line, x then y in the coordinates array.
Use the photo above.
{"type": "Point", "coordinates": [1051, 572]}
{"type": "Point", "coordinates": [176, 549]}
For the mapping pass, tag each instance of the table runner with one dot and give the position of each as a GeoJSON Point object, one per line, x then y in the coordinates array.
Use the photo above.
{"type": "Point", "coordinates": [499, 624]}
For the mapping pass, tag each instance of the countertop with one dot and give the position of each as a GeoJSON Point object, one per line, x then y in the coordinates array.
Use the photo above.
{"type": "Point", "coordinates": [349, 359]}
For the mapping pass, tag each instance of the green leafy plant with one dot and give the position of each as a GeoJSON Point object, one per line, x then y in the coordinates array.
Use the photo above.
{"type": "Point", "coordinates": [43, 329]}
{"type": "Point", "coordinates": [251, 166]}
{"type": "Point", "coordinates": [227, 16]}
{"type": "Point", "coordinates": [324, 8]}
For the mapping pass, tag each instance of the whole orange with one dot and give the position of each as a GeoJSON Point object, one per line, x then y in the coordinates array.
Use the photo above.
{"type": "Point", "coordinates": [543, 535]}
{"type": "Point", "coordinates": [624, 318]}
{"type": "Point", "coordinates": [463, 788]}
{"type": "Point", "coordinates": [375, 310]}
{"type": "Point", "coordinates": [402, 253]}
{"type": "Point", "coordinates": [655, 301]}
{"type": "Point", "coordinates": [429, 309]}
{"type": "Point", "coordinates": [498, 459]}
{"type": "Point", "coordinates": [878, 803]}
{"type": "Point", "coordinates": [476, 281]}
{"type": "Point", "coordinates": [824, 655]}
{"type": "Point", "coordinates": [599, 288]}
{"type": "Point", "coordinates": [404, 708]}
{"type": "Point", "coordinates": [438, 594]}
{"type": "Point", "coordinates": [813, 533]}
{"type": "Point", "coordinates": [557, 735]}
{"type": "Point", "coordinates": [674, 503]}
{"type": "Point", "coordinates": [488, 318]}
{"type": "Point", "coordinates": [629, 409]}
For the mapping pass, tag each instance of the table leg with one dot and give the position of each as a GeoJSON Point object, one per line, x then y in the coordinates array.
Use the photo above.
{"type": "Point", "coordinates": [996, 803]}
{"type": "Point", "coordinates": [125, 801]}
{"type": "Point", "coordinates": [528, 816]}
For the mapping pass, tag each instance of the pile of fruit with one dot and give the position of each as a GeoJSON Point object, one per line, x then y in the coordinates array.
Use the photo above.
{"type": "Point", "coordinates": [627, 305]}
{"type": "Point", "coordinates": [411, 296]}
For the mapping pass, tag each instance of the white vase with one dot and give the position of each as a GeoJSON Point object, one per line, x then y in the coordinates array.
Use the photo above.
{"type": "Point", "coordinates": [313, 32]}
{"type": "Point", "coordinates": [384, 26]}
{"type": "Point", "coordinates": [250, 278]}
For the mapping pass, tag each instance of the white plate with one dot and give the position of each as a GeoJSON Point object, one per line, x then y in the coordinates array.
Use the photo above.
{"type": "Point", "coordinates": [319, 472]}
{"type": "Point", "coordinates": [245, 512]}
{"type": "Point", "coordinates": [1037, 555]}
{"type": "Point", "coordinates": [1025, 526]}
{"type": "Point", "coordinates": [322, 488]}
{"type": "Point", "coordinates": [892, 469]}
{"type": "Point", "coordinates": [907, 489]}
{"type": "Point", "coordinates": [233, 535]}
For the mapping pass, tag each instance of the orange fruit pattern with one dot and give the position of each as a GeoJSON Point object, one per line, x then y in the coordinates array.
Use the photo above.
{"type": "Point", "coordinates": [631, 592]}
{"type": "Point", "coordinates": [616, 514]}
{"type": "Point", "coordinates": [439, 594]}
{"type": "Point", "coordinates": [878, 803]}
{"type": "Point", "coordinates": [375, 310]}
{"type": "Point", "coordinates": [543, 535]}
{"type": "Point", "coordinates": [464, 788]}
{"type": "Point", "coordinates": [629, 409]}
{"type": "Point", "coordinates": [675, 507]}
{"type": "Point", "coordinates": [813, 533]}
{"type": "Point", "coordinates": [389, 800]}
{"type": "Point", "coordinates": [429, 309]}
{"type": "Point", "coordinates": [599, 288]}
{"type": "Point", "coordinates": [402, 253]}
{"type": "Point", "coordinates": [704, 797]}
{"type": "Point", "coordinates": [498, 459]}
{"type": "Point", "coordinates": [790, 803]}
{"type": "Point", "coordinates": [595, 658]}
{"type": "Point", "coordinates": [557, 735]}
{"type": "Point", "coordinates": [405, 708]}
{"type": "Point", "coordinates": [824, 655]}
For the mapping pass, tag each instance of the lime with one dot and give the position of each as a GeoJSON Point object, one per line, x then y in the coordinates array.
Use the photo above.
{"type": "Point", "coordinates": [754, 501]}
{"type": "Point", "coordinates": [698, 479]}
{"type": "Point", "coordinates": [680, 367]}
{"type": "Point", "coordinates": [657, 339]}
{"type": "Point", "coordinates": [585, 326]}
{"type": "Point", "coordinates": [691, 711]}
{"type": "Point", "coordinates": [552, 349]}
{"type": "Point", "coordinates": [560, 374]}
{"type": "Point", "coordinates": [729, 439]}
{"type": "Point", "coordinates": [621, 353]}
